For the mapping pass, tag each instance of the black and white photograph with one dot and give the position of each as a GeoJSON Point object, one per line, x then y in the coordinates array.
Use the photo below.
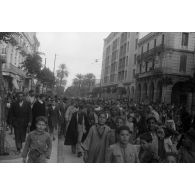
{"type": "Point", "coordinates": [97, 97]}
{"type": "Point", "coordinates": [127, 97]}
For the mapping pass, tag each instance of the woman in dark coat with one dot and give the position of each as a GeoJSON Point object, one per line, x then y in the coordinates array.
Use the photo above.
{"type": "Point", "coordinates": [74, 136]}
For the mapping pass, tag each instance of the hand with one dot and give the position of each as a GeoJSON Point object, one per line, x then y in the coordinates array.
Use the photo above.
{"type": "Point", "coordinates": [24, 160]}
{"type": "Point", "coordinates": [85, 157]}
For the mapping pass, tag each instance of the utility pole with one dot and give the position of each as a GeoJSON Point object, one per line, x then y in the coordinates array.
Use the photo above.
{"type": "Point", "coordinates": [54, 66]}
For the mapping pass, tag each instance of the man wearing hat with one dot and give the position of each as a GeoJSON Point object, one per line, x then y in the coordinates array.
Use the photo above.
{"type": "Point", "coordinates": [21, 116]}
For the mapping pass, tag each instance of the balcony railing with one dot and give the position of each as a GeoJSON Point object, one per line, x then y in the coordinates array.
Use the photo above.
{"type": "Point", "coordinates": [160, 71]}
{"type": "Point", "coordinates": [151, 53]}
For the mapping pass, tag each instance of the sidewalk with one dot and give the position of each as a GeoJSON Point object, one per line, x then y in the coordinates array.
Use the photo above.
{"type": "Point", "coordinates": [14, 158]}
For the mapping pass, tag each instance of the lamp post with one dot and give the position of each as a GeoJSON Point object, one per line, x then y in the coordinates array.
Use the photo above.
{"type": "Point", "coordinates": [2, 107]}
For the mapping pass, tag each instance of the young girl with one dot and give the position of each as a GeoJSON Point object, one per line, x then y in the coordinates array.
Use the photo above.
{"type": "Point", "coordinates": [122, 151]}
{"type": "Point", "coordinates": [38, 143]}
{"type": "Point", "coordinates": [99, 138]}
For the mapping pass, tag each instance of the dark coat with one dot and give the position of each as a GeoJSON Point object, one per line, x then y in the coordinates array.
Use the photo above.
{"type": "Point", "coordinates": [38, 109]}
{"type": "Point", "coordinates": [53, 116]}
{"type": "Point", "coordinates": [72, 133]}
{"type": "Point", "coordinates": [20, 117]}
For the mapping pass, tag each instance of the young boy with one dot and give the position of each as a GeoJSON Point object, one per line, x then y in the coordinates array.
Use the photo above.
{"type": "Point", "coordinates": [38, 143]}
{"type": "Point", "coordinates": [147, 152]}
{"type": "Point", "coordinates": [99, 138]}
{"type": "Point", "coordinates": [122, 151]}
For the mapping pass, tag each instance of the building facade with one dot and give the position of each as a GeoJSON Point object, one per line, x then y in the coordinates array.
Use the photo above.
{"type": "Point", "coordinates": [16, 50]}
{"type": "Point", "coordinates": [165, 62]}
{"type": "Point", "coordinates": [119, 64]}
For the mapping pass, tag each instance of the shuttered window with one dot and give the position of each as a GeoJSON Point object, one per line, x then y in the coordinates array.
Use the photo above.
{"type": "Point", "coordinates": [183, 62]}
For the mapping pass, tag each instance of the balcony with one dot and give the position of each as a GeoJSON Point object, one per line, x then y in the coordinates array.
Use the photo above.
{"type": "Point", "coordinates": [148, 55]}
{"type": "Point", "coordinates": [156, 71]}
{"type": "Point", "coordinates": [160, 71]}
{"type": "Point", "coordinates": [13, 70]}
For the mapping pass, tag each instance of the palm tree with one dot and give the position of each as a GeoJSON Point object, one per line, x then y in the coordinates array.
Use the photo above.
{"type": "Point", "coordinates": [89, 80]}
{"type": "Point", "coordinates": [62, 73]}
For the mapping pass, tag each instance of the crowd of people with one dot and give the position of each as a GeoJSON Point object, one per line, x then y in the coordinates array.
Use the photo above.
{"type": "Point", "coordinates": [122, 131]}
{"type": "Point", "coordinates": [101, 131]}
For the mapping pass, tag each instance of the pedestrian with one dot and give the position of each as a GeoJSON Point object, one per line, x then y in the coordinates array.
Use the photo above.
{"type": "Point", "coordinates": [165, 144]}
{"type": "Point", "coordinates": [31, 98]}
{"type": "Point", "coordinates": [38, 109]}
{"type": "Point", "coordinates": [99, 138]}
{"type": "Point", "coordinates": [146, 150]}
{"type": "Point", "coordinates": [38, 144]}
{"type": "Point", "coordinates": [53, 117]}
{"type": "Point", "coordinates": [21, 117]}
{"type": "Point", "coordinates": [122, 151]}
{"type": "Point", "coordinates": [8, 115]}
{"type": "Point", "coordinates": [186, 151]}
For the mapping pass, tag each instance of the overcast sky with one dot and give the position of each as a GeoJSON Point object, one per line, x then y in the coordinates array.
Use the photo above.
{"type": "Point", "coordinates": [77, 50]}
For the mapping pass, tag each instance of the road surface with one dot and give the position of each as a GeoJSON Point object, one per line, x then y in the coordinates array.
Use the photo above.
{"type": "Point", "coordinates": [65, 155]}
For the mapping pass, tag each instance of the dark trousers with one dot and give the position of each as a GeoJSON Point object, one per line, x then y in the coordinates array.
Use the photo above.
{"type": "Point", "coordinates": [20, 136]}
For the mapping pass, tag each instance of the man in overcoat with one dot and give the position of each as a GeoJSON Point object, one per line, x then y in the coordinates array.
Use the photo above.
{"type": "Point", "coordinates": [21, 119]}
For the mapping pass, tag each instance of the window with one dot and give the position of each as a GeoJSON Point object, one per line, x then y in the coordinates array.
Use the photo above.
{"type": "Point", "coordinates": [133, 73]}
{"type": "Point", "coordinates": [183, 62]}
{"type": "Point", "coordinates": [125, 75]}
{"type": "Point", "coordinates": [140, 68]}
{"type": "Point", "coordinates": [163, 39]}
{"type": "Point", "coordinates": [148, 47]}
{"type": "Point", "coordinates": [127, 61]}
{"type": "Point", "coordinates": [153, 63]}
{"type": "Point", "coordinates": [185, 37]}
{"type": "Point", "coordinates": [136, 43]}
{"type": "Point", "coordinates": [154, 42]}
{"type": "Point", "coordinates": [128, 46]}
{"type": "Point", "coordinates": [4, 50]}
{"type": "Point", "coordinates": [146, 67]}
{"type": "Point", "coordinates": [135, 58]}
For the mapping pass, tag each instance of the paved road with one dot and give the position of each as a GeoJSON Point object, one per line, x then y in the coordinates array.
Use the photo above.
{"type": "Point", "coordinates": [65, 155]}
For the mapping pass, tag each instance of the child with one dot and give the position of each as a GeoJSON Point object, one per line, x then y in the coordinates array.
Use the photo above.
{"type": "Point", "coordinates": [122, 151]}
{"type": "Point", "coordinates": [164, 144]}
{"type": "Point", "coordinates": [147, 152]}
{"type": "Point", "coordinates": [38, 143]}
{"type": "Point", "coordinates": [99, 138]}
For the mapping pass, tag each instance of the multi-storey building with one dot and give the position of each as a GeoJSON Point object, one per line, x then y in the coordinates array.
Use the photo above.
{"type": "Point", "coordinates": [16, 52]}
{"type": "Point", "coordinates": [119, 63]}
{"type": "Point", "coordinates": [165, 62]}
